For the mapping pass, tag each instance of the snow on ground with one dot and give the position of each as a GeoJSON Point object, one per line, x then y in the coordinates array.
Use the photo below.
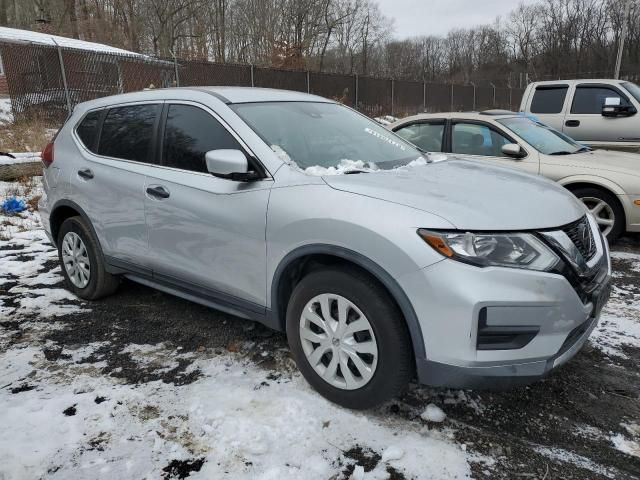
{"type": "Point", "coordinates": [25, 157]}
{"type": "Point", "coordinates": [66, 420]}
{"type": "Point", "coordinates": [5, 110]}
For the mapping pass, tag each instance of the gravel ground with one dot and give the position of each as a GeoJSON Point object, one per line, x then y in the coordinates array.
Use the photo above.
{"type": "Point", "coordinates": [583, 421]}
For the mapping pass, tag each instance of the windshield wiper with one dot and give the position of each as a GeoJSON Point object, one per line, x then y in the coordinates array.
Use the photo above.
{"type": "Point", "coordinates": [354, 171]}
{"type": "Point", "coordinates": [583, 149]}
{"type": "Point", "coordinates": [562, 152]}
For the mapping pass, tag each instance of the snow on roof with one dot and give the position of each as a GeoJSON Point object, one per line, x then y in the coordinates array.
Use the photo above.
{"type": "Point", "coordinates": [17, 35]}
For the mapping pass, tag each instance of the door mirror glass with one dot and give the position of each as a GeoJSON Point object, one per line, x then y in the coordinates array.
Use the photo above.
{"type": "Point", "coordinates": [230, 164]}
{"type": "Point", "coordinates": [512, 150]}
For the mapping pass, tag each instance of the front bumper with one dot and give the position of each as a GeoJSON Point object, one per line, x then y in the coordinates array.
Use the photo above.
{"type": "Point", "coordinates": [448, 298]}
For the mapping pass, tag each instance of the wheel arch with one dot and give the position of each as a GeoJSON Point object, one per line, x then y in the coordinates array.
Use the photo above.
{"type": "Point", "coordinates": [599, 183]}
{"type": "Point", "coordinates": [64, 209]}
{"type": "Point", "coordinates": [293, 265]}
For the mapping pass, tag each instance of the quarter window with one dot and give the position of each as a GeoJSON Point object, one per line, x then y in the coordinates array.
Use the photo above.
{"type": "Point", "coordinates": [427, 136]}
{"type": "Point", "coordinates": [590, 100]}
{"type": "Point", "coordinates": [88, 130]}
{"type": "Point", "coordinates": [475, 139]}
{"type": "Point", "coordinates": [127, 132]}
{"type": "Point", "coordinates": [189, 134]}
{"type": "Point", "coordinates": [549, 99]}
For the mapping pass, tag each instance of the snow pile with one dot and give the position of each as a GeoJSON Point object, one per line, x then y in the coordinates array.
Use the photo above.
{"type": "Point", "coordinates": [25, 157]}
{"type": "Point", "coordinates": [284, 430]}
{"type": "Point", "coordinates": [629, 447]}
{"type": "Point", "coordinates": [343, 166]}
{"type": "Point", "coordinates": [433, 413]}
{"type": "Point", "coordinates": [5, 111]}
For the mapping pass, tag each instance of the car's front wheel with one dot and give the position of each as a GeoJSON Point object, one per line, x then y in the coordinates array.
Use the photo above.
{"type": "Point", "coordinates": [348, 338]}
{"type": "Point", "coordinates": [82, 262]}
{"type": "Point", "coordinates": [606, 209]}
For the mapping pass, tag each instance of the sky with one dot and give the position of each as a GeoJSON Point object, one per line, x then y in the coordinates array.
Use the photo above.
{"type": "Point", "coordinates": [437, 17]}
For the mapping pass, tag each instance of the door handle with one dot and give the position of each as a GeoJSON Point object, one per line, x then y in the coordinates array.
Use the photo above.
{"type": "Point", "coordinates": [572, 123]}
{"type": "Point", "coordinates": [85, 173]}
{"type": "Point", "coordinates": [158, 192]}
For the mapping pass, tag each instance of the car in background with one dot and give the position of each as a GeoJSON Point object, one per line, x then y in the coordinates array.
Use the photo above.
{"type": "Point", "coordinates": [598, 113]}
{"type": "Point", "coordinates": [400, 266]}
{"type": "Point", "coordinates": [607, 182]}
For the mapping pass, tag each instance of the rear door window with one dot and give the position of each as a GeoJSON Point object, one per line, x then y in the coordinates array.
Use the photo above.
{"type": "Point", "coordinates": [88, 130]}
{"type": "Point", "coordinates": [127, 132]}
{"type": "Point", "coordinates": [549, 99]}
{"type": "Point", "coordinates": [590, 99]}
{"type": "Point", "coordinates": [189, 134]}
{"type": "Point", "coordinates": [427, 136]}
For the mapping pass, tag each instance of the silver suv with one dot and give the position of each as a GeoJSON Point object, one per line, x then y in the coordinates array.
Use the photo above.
{"type": "Point", "coordinates": [299, 213]}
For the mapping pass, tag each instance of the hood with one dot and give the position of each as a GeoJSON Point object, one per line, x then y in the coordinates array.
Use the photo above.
{"type": "Point", "coordinates": [604, 160]}
{"type": "Point", "coordinates": [469, 195]}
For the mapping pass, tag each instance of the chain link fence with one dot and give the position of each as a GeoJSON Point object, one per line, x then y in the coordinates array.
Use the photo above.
{"type": "Point", "coordinates": [48, 81]}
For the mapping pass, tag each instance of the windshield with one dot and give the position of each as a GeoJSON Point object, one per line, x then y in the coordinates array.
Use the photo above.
{"type": "Point", "coordinates": [541, 137]}
{"type": "Point", "coordinates": [325, 135]}
{"type": "Point", "coordinates": [633, 89]}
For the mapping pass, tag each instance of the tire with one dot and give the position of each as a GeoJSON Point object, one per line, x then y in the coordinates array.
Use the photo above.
{"type": "Point", "coordinates": [392, 367]}
{"type": "Point", "coordinates": [590, 196]}
{"type": "Point", "coordinates": [99, 283]}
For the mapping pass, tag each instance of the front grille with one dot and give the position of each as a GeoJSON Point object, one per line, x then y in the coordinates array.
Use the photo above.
{"type": "Point", "coordinates": [582, 237]}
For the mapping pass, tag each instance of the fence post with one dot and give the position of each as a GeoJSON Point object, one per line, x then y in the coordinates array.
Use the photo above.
{"type": "Point", "coordinates": [356, 80]}
{"type": "Point", "coordinates": [451, 97]}
{"type": "Point", "coordinates": [252, 82]}
{"type": "Point", "coordinates": [510, 98]}
{"type": "Point", "coordinates": [64, 77]}
{"type": "Point", "coordinates": [175, 68]}
{"type": "Point", "coordinates": [308, 82]}
{"type": "Point", "coordinates": [474, 96]}
{"type": "Point", "coordinates": [392, 99]}
{"type": "Point", "coordinates": [494, 93]}
{"type": "Point", "coordinates": [424, 96]}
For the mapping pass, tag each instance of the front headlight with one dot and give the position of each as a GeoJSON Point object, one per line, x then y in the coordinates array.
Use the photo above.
{"type": "Point", "coordinates": [514, 250]}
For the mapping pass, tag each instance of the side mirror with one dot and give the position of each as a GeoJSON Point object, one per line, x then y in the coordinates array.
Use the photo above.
{"type": "Point", "coordinates": [229, 164]}
{"type": "Point", "coordinates": [513, 150]}
{"type": "Point", "coordinates": [612, 108]}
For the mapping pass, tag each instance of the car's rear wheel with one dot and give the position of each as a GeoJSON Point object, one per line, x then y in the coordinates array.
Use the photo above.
{"type": "Point", "coordinates": [348, 338]}
{"type": "Point", "coordinates": [81, 261]}
{"type": "Point", "coordinates": [605, 208]}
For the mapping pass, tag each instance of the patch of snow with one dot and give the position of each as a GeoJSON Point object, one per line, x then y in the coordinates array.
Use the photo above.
{"type": "Point", "coordinates": [386, 120]}
{"type": "Point", "coordinates": [433, 413]}
{"type": "Point", "coordinates": [630, 447]}
{"type": "Point", "coordinates": [26, 157]}
{"type": "Point", "coordinates": [343, 166]}
{"type": "Point", "coordinates": [6, 116]}
{"type": "Point", "coordinates": [575, 459]}
{"type": "Point", "coordinates": [392, 453]}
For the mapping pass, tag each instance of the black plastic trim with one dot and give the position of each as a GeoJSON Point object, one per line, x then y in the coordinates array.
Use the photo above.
{"type": "Point", "coordinates": [503, 337]}
{"type": "Point", "coordinates": [413, 324]}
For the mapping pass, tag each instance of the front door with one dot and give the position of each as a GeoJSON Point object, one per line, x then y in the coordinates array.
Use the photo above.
{"type": "Point", "coordinates": [205, 233]}
{"type": "Point", "coordinates": [585, 123]}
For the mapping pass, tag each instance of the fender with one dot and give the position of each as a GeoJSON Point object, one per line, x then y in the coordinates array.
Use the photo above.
{"type": "Point", "coordinates": [368, 265]}
{"type": "Point", "coordinates": [594, 180]}
{"type": "Point", "coordinates": [77, 208]}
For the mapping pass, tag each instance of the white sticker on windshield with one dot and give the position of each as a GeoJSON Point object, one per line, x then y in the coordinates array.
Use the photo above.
{"type": "Point", "coordinates": [612, 101]}
{"type": "Point", "coordinates": [390, 141]}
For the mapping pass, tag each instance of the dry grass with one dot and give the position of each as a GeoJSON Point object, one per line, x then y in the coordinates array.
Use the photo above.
{"type": "Point", "coordinates": [25, 136]}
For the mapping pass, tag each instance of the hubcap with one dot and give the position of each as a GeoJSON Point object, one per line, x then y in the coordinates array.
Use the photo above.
{"type": "Point", "coordinates": [76, 260]}
{"type": "Point", "coordinates": [602, 212]}
{"type": "Point", "coordinates": [338, 341]}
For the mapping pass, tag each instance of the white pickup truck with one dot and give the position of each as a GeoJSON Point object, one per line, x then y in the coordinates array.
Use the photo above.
{"type": "Point", "coordinates": [598, 113]}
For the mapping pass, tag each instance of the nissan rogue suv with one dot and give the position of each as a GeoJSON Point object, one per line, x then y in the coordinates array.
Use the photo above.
{"type": "Point", "coordinates": [297, 212]}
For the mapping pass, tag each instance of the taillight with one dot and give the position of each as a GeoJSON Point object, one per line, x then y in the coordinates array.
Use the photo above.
{"type": "Point", "coordinates": [47, 155]}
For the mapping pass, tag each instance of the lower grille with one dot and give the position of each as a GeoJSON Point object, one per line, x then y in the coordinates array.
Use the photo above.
{"type": "Point", "coordinates": [582, 237]}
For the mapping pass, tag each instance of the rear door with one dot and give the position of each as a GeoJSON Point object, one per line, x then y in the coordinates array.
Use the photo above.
{"type": "Point", "coordinates": [483, 141]}
{"type": "Point", "coordinates": [550, 103]}
{"type": "Point", "coordinates": [585, 122]}
{"type": "Point", "coordinates": [425, 134]}
{"type": "Point", "coordinates": [206, 234]}
{"type": "Point", "coordinates": [117, 146]}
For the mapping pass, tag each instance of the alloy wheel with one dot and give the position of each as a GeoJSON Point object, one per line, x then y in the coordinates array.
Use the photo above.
{"type": "Point", "coordinates": [338, 341]}
{"type": "Point", "coordinates": [76, 260]}
{"type": "Point", "coordinates": [602, 212]}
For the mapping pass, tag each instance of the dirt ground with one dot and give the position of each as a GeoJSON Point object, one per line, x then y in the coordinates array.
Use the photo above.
{"type": "Point", "coordinates": [560, 427]}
